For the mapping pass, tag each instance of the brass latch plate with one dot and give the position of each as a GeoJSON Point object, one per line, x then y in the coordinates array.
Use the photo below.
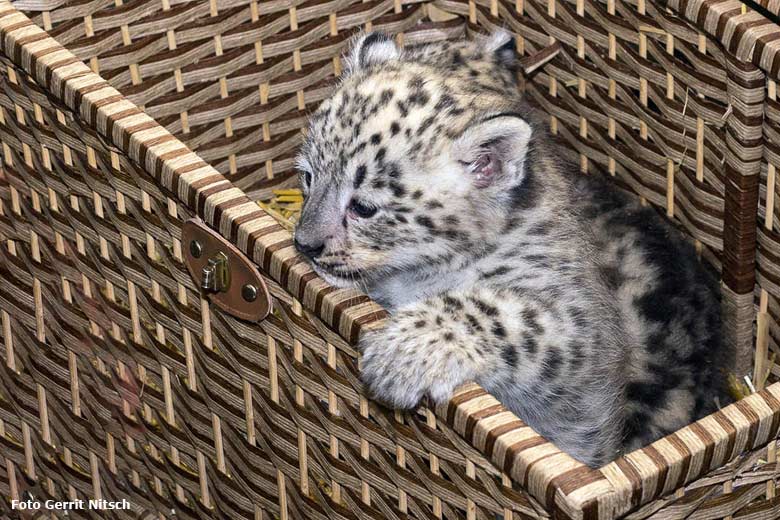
{"type": "Point", "coordinates": [228, 278]}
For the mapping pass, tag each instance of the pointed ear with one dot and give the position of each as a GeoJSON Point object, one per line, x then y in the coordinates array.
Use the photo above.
{"type": "Point", "coordinates": [369, 49]}
{"type": "Point", "coordinates": [501, 44]}
{"type": "Point", "coordinates": [494, 149]}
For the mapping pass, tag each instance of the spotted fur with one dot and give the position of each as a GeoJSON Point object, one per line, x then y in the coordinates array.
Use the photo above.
{"type": "Point", "coordinates": [430, 184]}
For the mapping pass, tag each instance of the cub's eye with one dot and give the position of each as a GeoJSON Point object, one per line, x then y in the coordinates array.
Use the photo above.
{"type": "Point", "coordinates": [307, 179]}
{"type": "Point", "coordinates": [362, 210]}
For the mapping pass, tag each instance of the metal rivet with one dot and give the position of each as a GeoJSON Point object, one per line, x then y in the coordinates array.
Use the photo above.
{"type": "Point", "coordinates": [196, 249]}
{"type": "Point", "coordinates": [249, 292]}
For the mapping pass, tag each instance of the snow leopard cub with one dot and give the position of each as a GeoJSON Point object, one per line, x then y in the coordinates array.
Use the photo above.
{"type": "Point", "coordinates": [431, 185]}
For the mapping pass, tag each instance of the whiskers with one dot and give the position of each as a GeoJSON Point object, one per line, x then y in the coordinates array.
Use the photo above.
{"type": "Point", "coordinates": [344, 271]}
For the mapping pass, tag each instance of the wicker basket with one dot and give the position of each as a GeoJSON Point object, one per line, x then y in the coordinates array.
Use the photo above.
{"type": "Point", "coordinates": [122, 382]}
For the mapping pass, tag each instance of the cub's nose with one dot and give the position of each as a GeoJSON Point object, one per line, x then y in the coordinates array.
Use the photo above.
{"type": "Point", "coordinates": [310, 250]}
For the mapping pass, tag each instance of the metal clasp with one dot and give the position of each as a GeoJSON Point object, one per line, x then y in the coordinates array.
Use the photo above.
{"type": "Point", "coordinates": [227, 277]}
{"type": "Point", "coordinates": [216, 274]}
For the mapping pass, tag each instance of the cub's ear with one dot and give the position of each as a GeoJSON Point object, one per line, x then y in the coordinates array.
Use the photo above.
{"type": "Point", "coordinates": [501, 44]}
{"type": "Point", "coordinates": [494, 150]}
{"type": "Point", "coordinates": [369, 49]}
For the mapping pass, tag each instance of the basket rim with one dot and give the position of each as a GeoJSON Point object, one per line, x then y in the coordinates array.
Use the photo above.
{"type": "Point", "coordinates": [750, 37]}
{"type": "Point", "coordinates": [565, 486]}
{"type": "Point", "coordinates": [571, 489]}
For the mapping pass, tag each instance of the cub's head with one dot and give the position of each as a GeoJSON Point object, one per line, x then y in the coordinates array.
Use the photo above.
{"type": "Point", "coordinates": [417, 159]}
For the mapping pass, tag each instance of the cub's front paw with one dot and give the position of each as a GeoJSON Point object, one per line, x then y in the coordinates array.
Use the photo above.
{"type": "Point", "coordinates": [399, 371]}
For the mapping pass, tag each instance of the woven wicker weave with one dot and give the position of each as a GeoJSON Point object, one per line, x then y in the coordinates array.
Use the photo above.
{"type": "Point", "coordinates": [120, 381]}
